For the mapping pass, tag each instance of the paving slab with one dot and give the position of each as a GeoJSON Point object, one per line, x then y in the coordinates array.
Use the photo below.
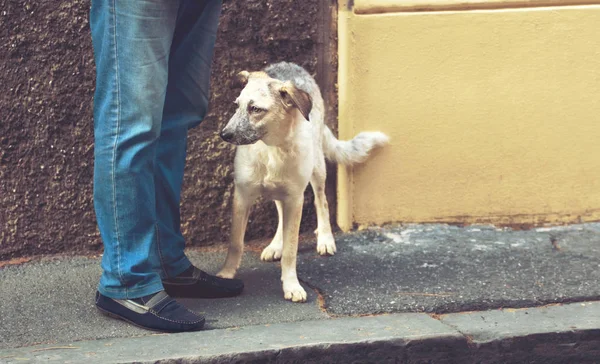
{"type": "Point", "coordinates": [552, 334]}
{"type": "Point", "coordinates": [441, 268]}
{"type": "Point", "coordinates": [496, 325]}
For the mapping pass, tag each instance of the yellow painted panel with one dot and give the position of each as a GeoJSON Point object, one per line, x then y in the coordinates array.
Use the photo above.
{"type": "Point", "coordinates": [388, 6]}
{"type": "Point", "coordinates": [494, 115]}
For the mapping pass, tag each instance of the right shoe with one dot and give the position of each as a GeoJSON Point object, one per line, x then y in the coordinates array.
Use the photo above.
{"type": "Point", "coordinates": [157, 312]}
{"type": "Point", "coordinates": [195, 283]}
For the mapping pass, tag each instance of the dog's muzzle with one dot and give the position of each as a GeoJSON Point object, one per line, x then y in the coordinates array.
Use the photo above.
{"type": "Point", "coordinates": [227, 135]}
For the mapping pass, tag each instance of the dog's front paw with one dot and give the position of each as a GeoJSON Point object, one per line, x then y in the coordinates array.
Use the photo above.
{"type": "Point", "coordinates": [293, 291]}
{"type": "Point", "coordinates": [271, 254]}
{"type": "Point", "coordinates": [326, 245]}
{"type": "Point", "coordinates": [226, 273]}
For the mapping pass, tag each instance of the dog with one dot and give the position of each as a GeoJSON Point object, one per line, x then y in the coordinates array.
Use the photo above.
{"type": "Point", "coordinates": [282, 143]}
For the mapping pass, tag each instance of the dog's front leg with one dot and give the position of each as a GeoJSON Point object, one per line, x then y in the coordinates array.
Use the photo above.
{"type": "Point", "coordinates": [292, 214]}
{"type": "Point", "coordinates": [273, 251]}
{"type": "Point", "coordinates": [241, 209]}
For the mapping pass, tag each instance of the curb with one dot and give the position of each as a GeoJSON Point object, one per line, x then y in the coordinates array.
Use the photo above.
{"type": "Point", "coordinates": [549, 334]}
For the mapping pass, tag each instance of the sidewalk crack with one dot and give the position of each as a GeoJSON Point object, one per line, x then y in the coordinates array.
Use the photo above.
{"type": "Point", "coordinates": [320, 296]}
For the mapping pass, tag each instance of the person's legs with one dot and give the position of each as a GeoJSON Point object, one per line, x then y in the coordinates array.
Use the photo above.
{"type": "Point", "coordinates": [186, 106]}
{"type": "Point", "coordinates": [132, 42]}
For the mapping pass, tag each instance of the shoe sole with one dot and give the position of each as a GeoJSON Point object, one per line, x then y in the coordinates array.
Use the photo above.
{"type": "Point", "coordinates": [118, 317]}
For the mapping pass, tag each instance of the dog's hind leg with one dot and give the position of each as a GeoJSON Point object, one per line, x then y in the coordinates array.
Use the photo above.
{"type": "Point", "coordinates": [273, 251]}
{"type": "Point", "coordinates": [241, 211]}
{"type": "Point", "coordinates": [292, 214]}
{"type": "Point", "coordinates": [325, 240]}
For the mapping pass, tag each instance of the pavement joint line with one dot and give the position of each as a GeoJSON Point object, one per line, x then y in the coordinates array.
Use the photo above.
{"type": "Point", "coordinates": [344, 338]}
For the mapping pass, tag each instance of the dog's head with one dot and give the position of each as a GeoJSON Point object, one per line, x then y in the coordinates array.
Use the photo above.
{"type": "Point", "coordinates": [267, 109]}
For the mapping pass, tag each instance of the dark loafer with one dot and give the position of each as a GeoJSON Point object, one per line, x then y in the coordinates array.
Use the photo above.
{"type": "Point", "coordinates": [157, 312]}
{"type": "Point", "coordinates": [194, 283]}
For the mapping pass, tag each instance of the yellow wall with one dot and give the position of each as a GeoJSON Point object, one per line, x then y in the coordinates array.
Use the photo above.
{"type": "Point", "coordinates": [494, 115]}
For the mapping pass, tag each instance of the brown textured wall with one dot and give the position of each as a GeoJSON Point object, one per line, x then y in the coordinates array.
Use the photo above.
{"type": "Point", "coordinates": [46, 141]}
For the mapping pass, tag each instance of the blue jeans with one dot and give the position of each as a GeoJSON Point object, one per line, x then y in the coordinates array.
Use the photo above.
{"type": "Point", "coordinates": [153, 61]}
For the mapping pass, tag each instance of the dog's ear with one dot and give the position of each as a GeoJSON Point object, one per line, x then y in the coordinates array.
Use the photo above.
{"type": "Point", "coordinates": [293, 96]}
{"type": "Point", "coordinates": [240, 80]}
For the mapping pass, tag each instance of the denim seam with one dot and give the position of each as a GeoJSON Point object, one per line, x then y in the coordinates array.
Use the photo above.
{"type": "Point", "coordinates": [118, 127]}
{"type": "Point", "coordinates": [160, 256]}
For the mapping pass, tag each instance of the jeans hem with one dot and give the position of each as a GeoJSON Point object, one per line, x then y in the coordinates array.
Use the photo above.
{"type": "Point", "coordinates": [131, 293]}
{"type": "Point", "coordinates": [174, 269]}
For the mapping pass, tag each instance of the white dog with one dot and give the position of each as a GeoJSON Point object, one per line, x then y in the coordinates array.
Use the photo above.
{"type": "Point", "coordinates": [282, 143]}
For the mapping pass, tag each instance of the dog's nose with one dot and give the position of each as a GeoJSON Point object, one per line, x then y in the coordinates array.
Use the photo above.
{"type": "Point", "coordinates": [226, 135]}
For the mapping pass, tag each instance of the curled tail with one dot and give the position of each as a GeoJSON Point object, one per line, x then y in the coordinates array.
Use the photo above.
{"type": "Point", "coordinates": [348, 152]}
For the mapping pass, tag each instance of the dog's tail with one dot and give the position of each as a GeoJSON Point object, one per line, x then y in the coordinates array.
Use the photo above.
{"type": "Point", "coordinates": [348, 152]}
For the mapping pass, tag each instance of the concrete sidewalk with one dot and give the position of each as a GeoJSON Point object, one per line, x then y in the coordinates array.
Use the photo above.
{"type": "Point", "coordinates": [413, 283]}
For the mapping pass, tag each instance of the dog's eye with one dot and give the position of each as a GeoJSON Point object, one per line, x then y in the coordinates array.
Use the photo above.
{"type": "Point", "coordinates": [255, 110]}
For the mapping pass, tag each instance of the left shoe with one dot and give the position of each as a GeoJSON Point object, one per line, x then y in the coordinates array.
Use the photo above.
{"type": "Point", "coordinates": [157, 312]}
{"type": "Point", "coordinates": [195, 283]}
